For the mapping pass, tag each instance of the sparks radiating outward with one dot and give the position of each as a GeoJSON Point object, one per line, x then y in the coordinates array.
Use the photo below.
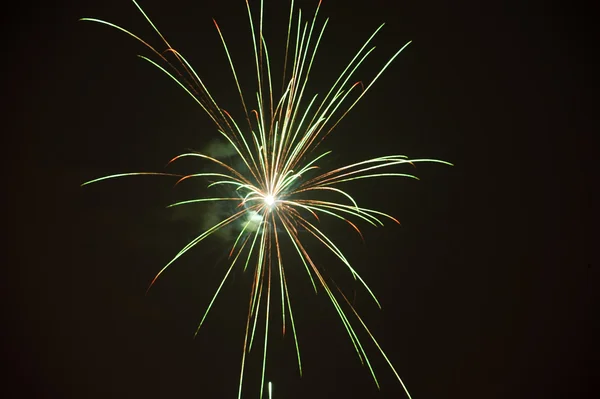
{"type": "Point", "coordinates": [275, 195]}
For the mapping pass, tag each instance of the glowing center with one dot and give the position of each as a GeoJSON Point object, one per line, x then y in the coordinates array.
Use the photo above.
{"type": "Point", "coordinates": [269, 200]}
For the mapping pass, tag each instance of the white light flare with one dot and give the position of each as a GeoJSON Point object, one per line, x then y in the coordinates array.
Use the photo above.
{"type": "Point", "coordinates": [269, 200]}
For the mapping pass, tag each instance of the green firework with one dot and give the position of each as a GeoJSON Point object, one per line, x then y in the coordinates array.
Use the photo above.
{"type": "Point", "coordinates": [275, 195]}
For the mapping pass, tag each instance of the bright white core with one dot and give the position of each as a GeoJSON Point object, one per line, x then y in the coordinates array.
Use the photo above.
{"type": "Point", "coordinates": [269, 200]}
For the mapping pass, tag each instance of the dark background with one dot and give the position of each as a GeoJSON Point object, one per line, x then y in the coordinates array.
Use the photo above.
{"type": "Point", "coordinates": [487, 287]}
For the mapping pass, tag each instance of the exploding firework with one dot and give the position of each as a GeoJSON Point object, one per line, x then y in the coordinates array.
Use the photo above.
{"type": "Point", "coordinates": [279, 189]}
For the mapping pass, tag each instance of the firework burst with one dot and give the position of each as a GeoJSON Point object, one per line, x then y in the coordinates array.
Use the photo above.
{"type": "Point", "coordinates": [275, 195]}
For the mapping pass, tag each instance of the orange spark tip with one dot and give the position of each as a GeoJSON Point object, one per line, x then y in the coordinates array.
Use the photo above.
{"type": "Point", "coordinates": [357, 229]}
{"type": "Point", "coordinates": [182, 179]}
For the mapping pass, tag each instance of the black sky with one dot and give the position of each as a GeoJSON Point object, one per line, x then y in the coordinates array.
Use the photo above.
{"type": "Point", "coordinates": [487, 287]}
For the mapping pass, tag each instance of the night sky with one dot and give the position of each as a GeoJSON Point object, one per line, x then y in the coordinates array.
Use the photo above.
{"type": "Point", "coordinates": [487, 287]}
